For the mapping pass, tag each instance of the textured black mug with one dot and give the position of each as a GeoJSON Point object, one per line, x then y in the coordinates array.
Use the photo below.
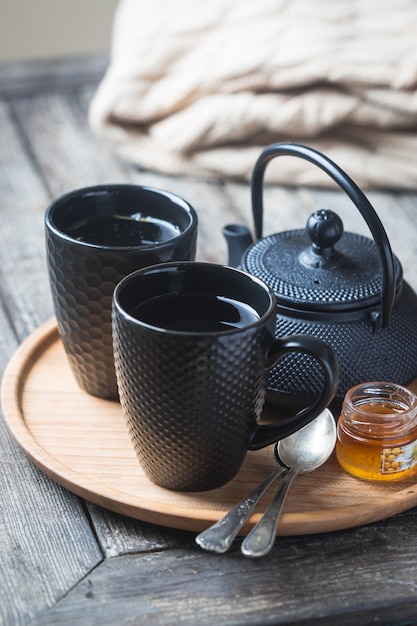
{"type": "Point", "coordinates": [193, 343]}
{"type": "Point", "coordinates": [95, 236]}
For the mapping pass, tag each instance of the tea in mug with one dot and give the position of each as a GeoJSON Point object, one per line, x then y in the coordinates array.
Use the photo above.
{"type": "Point", "coordinates": [195, 312]}
{"type": "Point", "coordinates": [137, 229]}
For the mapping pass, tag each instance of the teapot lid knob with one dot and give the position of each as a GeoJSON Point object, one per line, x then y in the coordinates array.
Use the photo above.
{"type": "Point", "coordinates": [324, 228]}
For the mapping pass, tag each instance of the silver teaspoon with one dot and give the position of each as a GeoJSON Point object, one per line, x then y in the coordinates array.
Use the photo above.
{"type": "Point", "coordinates": [220, 536]}
{"type": "Point", "coordinates": [308, 451]}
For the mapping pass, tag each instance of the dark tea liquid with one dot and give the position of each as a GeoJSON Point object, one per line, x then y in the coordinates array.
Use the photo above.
{"type": "Point", "coordinates": [123, 230]}
{"type": "Point", "coordinates": [195, 312]}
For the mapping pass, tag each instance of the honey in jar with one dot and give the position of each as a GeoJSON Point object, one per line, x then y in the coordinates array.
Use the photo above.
{"type": "Point", "coordinates": [377, 432]}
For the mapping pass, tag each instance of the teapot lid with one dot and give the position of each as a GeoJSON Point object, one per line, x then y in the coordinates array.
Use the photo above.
{"type": "Point", "coordinates": [320, 268]}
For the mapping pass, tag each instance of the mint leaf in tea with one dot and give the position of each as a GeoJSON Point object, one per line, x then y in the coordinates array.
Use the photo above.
{"type": "Point", "coordinates": [137, 229]}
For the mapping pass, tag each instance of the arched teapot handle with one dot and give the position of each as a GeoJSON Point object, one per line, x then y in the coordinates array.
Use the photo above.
{"type": "Point", "coordinates": [352, 191]}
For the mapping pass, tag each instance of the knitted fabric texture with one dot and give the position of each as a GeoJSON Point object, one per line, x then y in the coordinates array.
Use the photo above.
{"type": "Point", "coordinates": [200, 88]}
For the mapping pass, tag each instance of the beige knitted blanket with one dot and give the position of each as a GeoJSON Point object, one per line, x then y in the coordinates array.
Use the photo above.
{"type": "Point", "coordinates": [201, 87]}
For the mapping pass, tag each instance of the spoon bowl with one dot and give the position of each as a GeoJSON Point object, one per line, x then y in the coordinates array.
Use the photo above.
{"type": "Point", "coordinates": [311, 447]}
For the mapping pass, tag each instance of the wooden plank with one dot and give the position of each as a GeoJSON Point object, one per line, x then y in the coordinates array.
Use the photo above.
{"type": "Point", "coordinates": [47, 544]}
{"type": "Point", "coordinates": [32, 76]}
{"type": "Point", "coordinates": [303, 581]}
{"type": "Point", "coordinates": [62, 145]}
{"type": "Point", "coordinates": [46, 541]}
{"type": "Point", "coordinates": [120, 535]}
{"type": "Point", "coordinates": [18, 176]}
{"type": "Point", "coordinates": [23, 280]}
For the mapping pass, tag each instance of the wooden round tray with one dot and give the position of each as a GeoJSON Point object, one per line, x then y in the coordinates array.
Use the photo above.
{"type": "Point", "coordinates": [83, 444]}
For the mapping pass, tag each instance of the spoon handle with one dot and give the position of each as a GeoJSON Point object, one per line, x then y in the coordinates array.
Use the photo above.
{"type": "Point", "coordinates": [262, 537]}
{"type": "Point", "coordinates": [219, 537]}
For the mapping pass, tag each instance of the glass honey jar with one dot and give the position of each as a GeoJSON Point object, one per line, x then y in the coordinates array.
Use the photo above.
{"type": "Point", "coordinates": [377, 432]}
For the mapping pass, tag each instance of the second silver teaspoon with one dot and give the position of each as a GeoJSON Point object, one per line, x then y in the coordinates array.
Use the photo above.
{"type": "Point", "coordinates": [312, 448]}
{"type": "Point", "coordinates": [220, 536]}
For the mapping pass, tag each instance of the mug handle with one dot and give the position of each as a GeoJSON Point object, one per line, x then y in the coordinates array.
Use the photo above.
{"type": "Point", "coordinates": [267, 434]}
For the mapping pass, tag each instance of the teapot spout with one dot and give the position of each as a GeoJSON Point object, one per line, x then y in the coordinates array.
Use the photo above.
{"type": "Point", "coordinates": [238, 239]}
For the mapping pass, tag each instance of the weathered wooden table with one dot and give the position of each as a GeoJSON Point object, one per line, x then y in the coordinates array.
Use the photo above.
{"type": "Point", "coordinates": [64, 560]}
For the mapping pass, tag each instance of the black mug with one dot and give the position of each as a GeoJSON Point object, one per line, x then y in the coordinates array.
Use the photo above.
{"type": "Point", "coordinates": [193, 344]}
{"type": "Point", "coordinates": [95, 236]}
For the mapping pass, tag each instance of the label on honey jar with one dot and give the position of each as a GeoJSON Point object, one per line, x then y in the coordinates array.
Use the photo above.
{"type": "Point", "coordinates": [399, 459]}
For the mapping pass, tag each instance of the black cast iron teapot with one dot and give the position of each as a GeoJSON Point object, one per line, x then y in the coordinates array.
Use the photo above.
{"type": "Point", "coordinates": [341, 287]}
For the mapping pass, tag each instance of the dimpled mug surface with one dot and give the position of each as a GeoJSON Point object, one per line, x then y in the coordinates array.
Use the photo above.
{"type": "Point", "coordinates": [192, 346]}
{"type": "Point", "coordinates": [95, 236]}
